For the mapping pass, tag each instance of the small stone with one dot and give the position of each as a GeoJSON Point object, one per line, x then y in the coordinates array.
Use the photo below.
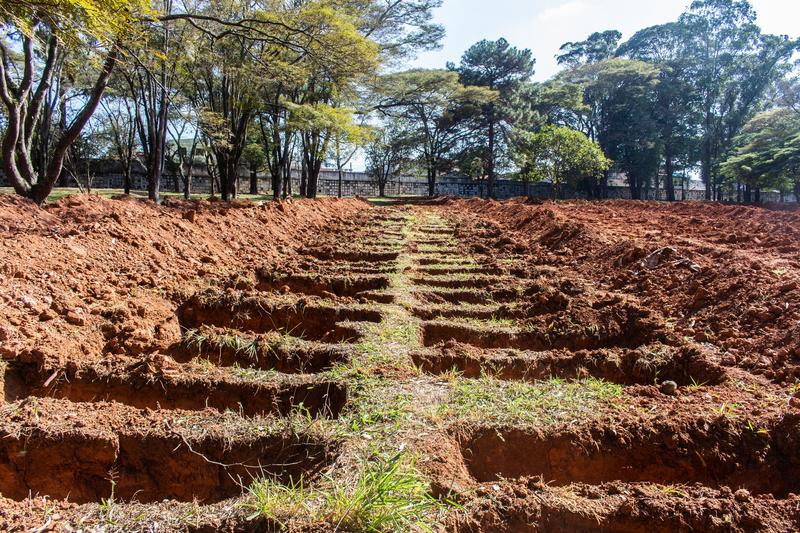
{"type": "Point", "coordinates": [47, 315]}
{"type": "Point", "coordinates": [190, 215]}
{"type": "Point", "coordinates": [75, 319]}
{"type": "Point", "coordinates": [742, 495]}
{"type": "Point", "coordinates": [28, 302]}
{"type": "Point", "coordinates": [669, 388]}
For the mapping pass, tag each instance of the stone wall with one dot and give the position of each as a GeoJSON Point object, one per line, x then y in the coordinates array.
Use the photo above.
{"type": "Point", "coordinates": [359, 184]}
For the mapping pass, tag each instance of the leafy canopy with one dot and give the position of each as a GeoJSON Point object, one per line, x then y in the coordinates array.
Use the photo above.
{"type": "Point", "coordinates": [559, 155]}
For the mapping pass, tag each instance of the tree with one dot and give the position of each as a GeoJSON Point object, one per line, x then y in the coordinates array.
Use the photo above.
{"type": "Point", "coordinates": [439, 110]}
{"type": "Point", "coordinates": [309, 46]}
{"type": "Point", "coordinates": [344, 148]}
{"type": "Point", "coordinates": [400, 27]}
{"type": "Point", "coordinates": [396, 28]}
{"type": "Point", "coordinates": [731, 65]}
{"type": "Point", "coordinates": [254, 159]}
{"type": "Point", "coordinates": [630, 133]}
{"type": "Point", "coordinates": [617, 112]}
{"type": "Point", "coordinates": [559, 155]}
{"type": "Point", "coordinates": [598, 47]}
{"type": "Point", "coordinates": [119, 125]}
{"type": "Point", "coordinates": [387, 154]}
{"type": "Point", "coordinates": [766, 153]}
{"type": "Point", "coordinates": [180, 153]}
{"type": "Point", "coordinates": [500, 67]}
{"type": "Point", "coordinates": [676, 104]}
{"type": "Point", "coordinates": [39, 30]}
{"type": "Point", "coordinates": [154, 80]}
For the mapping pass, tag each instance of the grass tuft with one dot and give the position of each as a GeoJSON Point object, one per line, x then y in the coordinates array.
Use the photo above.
{"type": "Point", "coordinates": [388, 495]}
{"type": "Point", "coordinates": [549, 402]}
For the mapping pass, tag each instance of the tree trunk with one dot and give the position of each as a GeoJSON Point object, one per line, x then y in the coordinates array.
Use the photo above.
{"type": "Point", "coordinates": [633, 185]}
{"type": "Point", "coordinates": [490, 183]}
{"type": "Point", "coordinates": [126, 177]}
{"type": "Point", "coordinates": [313, 179]}
{"type": "Point", "coordinates": [16, 147]}
{"type": "Point", "coordinates": [669, 179]}
{"type": "Point", "coordinates": [287, 177]}
{"type": "Point", "coordinates": [253, 181]}
{"type": "Point", "coordinates": [303, 176]}
{"type": "Point", "coordinates": [187, 184]}
{"type": "Point", "coordinates": [341, 178]}
{"type": "Point", "coordinates": [657, 187]}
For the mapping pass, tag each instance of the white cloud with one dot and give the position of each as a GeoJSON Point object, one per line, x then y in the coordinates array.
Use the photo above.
{"type": "Point", "coordinates": [566, 10]}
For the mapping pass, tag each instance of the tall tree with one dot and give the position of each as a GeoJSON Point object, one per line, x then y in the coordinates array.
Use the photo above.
{"type": "Point", "coordinates": [731, 64]}
{"type": "Point", "coordinates": [767, 153]}
{"type": "Point", "coordinates": [617, 112]}
{"type": "Point", "coordinates": [387, 154]}
{"type": "Point", "coordinates": [499, 67]}
{"type": "Point", "coordinates": [597, 47]}
{"type": "Point", "coordinates": [559, 155]}
{"type": "Point", "coordinates": [676, 104]}
{"type": "Point", "coordinates": [439, 109]}
{"type": "Point", "coordinates": [40, 30]}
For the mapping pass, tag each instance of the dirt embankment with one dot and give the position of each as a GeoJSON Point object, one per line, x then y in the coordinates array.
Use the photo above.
{"type": "Point", "coordinates": [87, 275]}
{"type": "Point", "coordinates": [724, 275]}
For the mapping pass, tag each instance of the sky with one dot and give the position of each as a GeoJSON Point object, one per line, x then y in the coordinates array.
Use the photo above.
{"type": "Point", "coordinates": [544, 25]}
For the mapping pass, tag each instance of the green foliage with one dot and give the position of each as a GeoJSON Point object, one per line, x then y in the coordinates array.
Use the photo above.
{"type": "Point", "coordinates": [767, 152]}
{"type": "Point", "coordinates": [328, 118]}
{"type": "Point", "coordinates": [388, 153]}
{"type": "Point", "coordinates": [498, 66]}
{"type": "Point", "coordinates": [543, 402]}
{"type": "Point", "coordinates": [436, 108]}
{"type": "Point", "coordinates": [559, 155]}
{"type": "Point", "coordinates": [598, 47]}
{"type": "Point", "coordinates": [617, 108]}
{"type": "Point", "coordinates": [731, 65]}
{"type": "Point", "coordinates": [74, 20]}
{"type": "Point", "coordinates": [388, 494]}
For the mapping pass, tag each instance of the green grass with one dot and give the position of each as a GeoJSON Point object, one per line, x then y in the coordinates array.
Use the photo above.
{"type": "Point", "coordinates": [491, 322]}
{"type": "Point", "coordinates": [543, 402]}
{"type": "Point", "coordinates": [388, 494]}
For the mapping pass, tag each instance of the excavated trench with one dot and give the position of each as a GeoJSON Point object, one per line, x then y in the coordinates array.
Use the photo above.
{"type": "Point", "coordinates": [260, 316]}
{"type": "Point", "coordinates": [261, 353]}
{"type": "Point", "coordinates": [342, 286]}
{"type": "Point", "coordinates": [713, 454]}
{"type": "Point", "coordinates": [474, 282]}
{"type": "Point", "coordinates": [684, 366]}
{"type": "Point", "coordinates": [85, 467]}
{"type": "Point", "coordinates": [329, 254]}
{"type": "Point", "coordinates": [186, 391]}
{"type": "Point", "coordinates": [458, 270]}
{"type": "Point", "coordinates": [540, 339]}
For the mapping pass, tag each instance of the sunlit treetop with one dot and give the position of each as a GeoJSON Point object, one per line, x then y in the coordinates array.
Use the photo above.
{"type": "Point", "coordinates": [103, 20]}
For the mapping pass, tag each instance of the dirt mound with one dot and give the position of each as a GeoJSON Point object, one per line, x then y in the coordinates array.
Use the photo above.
{"type": "Point", "coordinates": [726, 275]}
{"type": "Point", "coordinates": [113, 270]}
